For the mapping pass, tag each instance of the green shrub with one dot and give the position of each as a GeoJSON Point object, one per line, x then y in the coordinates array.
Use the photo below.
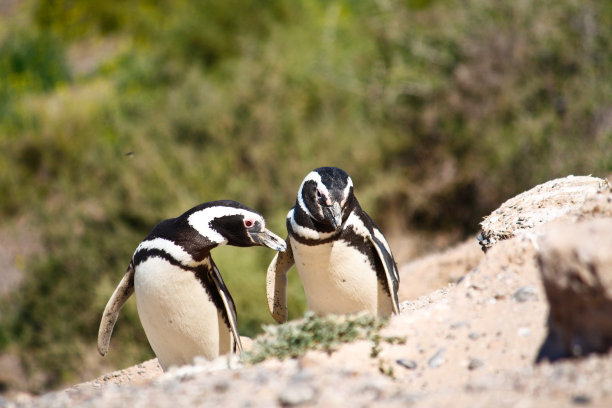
{"type": "Point", "coordinates": [294, 339]}
{"type": "Point", "coordinates": [30, 61]}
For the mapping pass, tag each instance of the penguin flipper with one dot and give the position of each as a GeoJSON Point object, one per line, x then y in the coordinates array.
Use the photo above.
{"type": "Point", "coordinates": [276, 283]}
{"type": "Point", "coordinates": [228, 303]}
{"type": "Point", "coordinates": [122, 293]}
{"type": "Point", "coordinates": [390, 268]}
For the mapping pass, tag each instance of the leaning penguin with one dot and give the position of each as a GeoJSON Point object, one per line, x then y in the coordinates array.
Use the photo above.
{"type": "Point", "coordinates": [183, 303]}
{"type": "Point", "coordinates": [343, 259]}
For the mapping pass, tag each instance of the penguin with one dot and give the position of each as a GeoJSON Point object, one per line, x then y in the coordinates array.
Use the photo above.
{"type": "Point", "coordinates": [183, 304]}
{"type": "Point", "coordinates": [343, 260]}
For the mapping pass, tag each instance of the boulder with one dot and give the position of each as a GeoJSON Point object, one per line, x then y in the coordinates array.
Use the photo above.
{"type": "Point", "coordinates": [575, 261]}
{"type": "Point", "coordinates": [556, 199]}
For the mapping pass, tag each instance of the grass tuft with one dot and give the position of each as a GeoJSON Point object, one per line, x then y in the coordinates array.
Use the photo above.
{"type": "Point", "coordinates": [294, 339]}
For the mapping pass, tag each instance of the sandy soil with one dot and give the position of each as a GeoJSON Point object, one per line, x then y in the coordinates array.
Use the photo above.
{"type": "Point", "coordinates": [471, 343]}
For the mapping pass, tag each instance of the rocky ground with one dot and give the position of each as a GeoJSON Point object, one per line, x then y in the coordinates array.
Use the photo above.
{"type": "Point", "coordinates": [468, 344]}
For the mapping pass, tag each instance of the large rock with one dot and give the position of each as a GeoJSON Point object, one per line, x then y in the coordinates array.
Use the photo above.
{"type": "Point", "coordinates": [569, 221]}
{"type": "Point", "coordinates": [575, 261]}
{"type": "Point", "coordinates": [554, 200]}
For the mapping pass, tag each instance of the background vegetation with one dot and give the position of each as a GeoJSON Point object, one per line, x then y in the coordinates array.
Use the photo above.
{"type": "Point", "coordinates": [115, 115]}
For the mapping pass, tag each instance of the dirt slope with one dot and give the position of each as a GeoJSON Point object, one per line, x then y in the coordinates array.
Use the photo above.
{"type": "Point", "coordinates": [469, 344]}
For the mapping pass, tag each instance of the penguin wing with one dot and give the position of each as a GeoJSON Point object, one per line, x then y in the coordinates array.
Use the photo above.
{"type": "Point", "coordinates": [228, 303]}
{"type": "Point", "coordinates": [383, 250]}
{"type": "Point", "coordinates": [111, 312]}
{"type": "Point", "coordinates": [276, 283]}
{"type": "Point", "coordinates": [386, 258]}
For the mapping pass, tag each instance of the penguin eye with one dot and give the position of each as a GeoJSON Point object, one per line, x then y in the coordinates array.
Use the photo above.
{"type": "Point", "coordinates": [319, 194]}
{"type": "Point", "coordinates": [248, 223]}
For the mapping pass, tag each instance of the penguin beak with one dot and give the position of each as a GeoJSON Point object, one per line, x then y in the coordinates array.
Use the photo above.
{"type": "Point", "coordinates": [333, 214]}
{"type": "Point", "coordinates": [269, 239]}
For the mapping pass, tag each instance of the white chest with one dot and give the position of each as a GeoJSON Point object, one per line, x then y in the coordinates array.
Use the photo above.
{"type": "Point", "coordinates": [338, 278]}
{"type": "Point", "coordinates": [178, 317]}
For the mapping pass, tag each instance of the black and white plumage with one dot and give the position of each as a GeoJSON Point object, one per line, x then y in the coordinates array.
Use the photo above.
{"type": "Point", "coordinates": [343, 259]}
{"type": "Point", "coordinates": [183, 303]}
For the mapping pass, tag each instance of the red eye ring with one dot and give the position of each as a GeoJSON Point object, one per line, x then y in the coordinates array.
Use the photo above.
{"type": "Point", "coordinates": [248, 223]}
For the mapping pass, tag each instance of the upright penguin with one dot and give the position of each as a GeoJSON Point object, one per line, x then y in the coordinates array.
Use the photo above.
{"type": "Point", "coordinates": [343, 259]}
{"type": "Point", "coordinates": [183, 303]}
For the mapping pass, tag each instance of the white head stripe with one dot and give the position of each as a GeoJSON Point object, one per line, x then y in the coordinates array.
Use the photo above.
{"type": "Point", "coordinates": [302, 204]}
{"type": "Point", "coordinates": [312, 176]}
{"type": "Point", "coordinates": [349, 184]}
{"type": "Point", "coordinates": [200, 220]}
{"type": "Point", "coordinates": [316, 177]}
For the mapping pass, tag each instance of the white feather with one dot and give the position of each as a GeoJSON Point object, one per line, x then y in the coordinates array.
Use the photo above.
{"type": "Point", "coordinates": [338, 278]}
{"type": "Point", "coordinates": [178, 317]}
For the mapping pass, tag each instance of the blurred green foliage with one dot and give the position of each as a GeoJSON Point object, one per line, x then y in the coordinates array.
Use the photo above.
{"type": "Point", "coordinates": [116, 115]}
{"type": "Point", "coordinates": [30, 61]}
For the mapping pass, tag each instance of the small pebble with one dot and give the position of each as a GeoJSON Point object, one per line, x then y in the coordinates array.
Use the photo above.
{"type": "Point", "coordinates": [524, 331]}
{"type": "Point", "coordinates": [475, 363]}
{"type": "Point", "coordinates": [458, 325]}
{"type": "Point", "coordinates": [409, 364]}
{"type": "Point", "coordinates": [438, 359]}
{"type": "Point", "coordinates": [525, 293]}
{"type": "Point", "coordinates": [375, 390]}
{"type": "Point", "coordinates": [581, 399]}
{"type": "Point", "coordinates": [296, 394]}
{"type": "Point", "coordinates": [474, 336]}
{"type": "Point", "coordinates": [302, 375]}
{"type": "Point", "coordinates": [221, 386]}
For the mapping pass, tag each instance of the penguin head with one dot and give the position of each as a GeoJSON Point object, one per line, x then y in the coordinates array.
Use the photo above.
{"type": "Point", "coordinates": [232, 223]}
{"type": "Point", "coordinates": [326, 195]}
